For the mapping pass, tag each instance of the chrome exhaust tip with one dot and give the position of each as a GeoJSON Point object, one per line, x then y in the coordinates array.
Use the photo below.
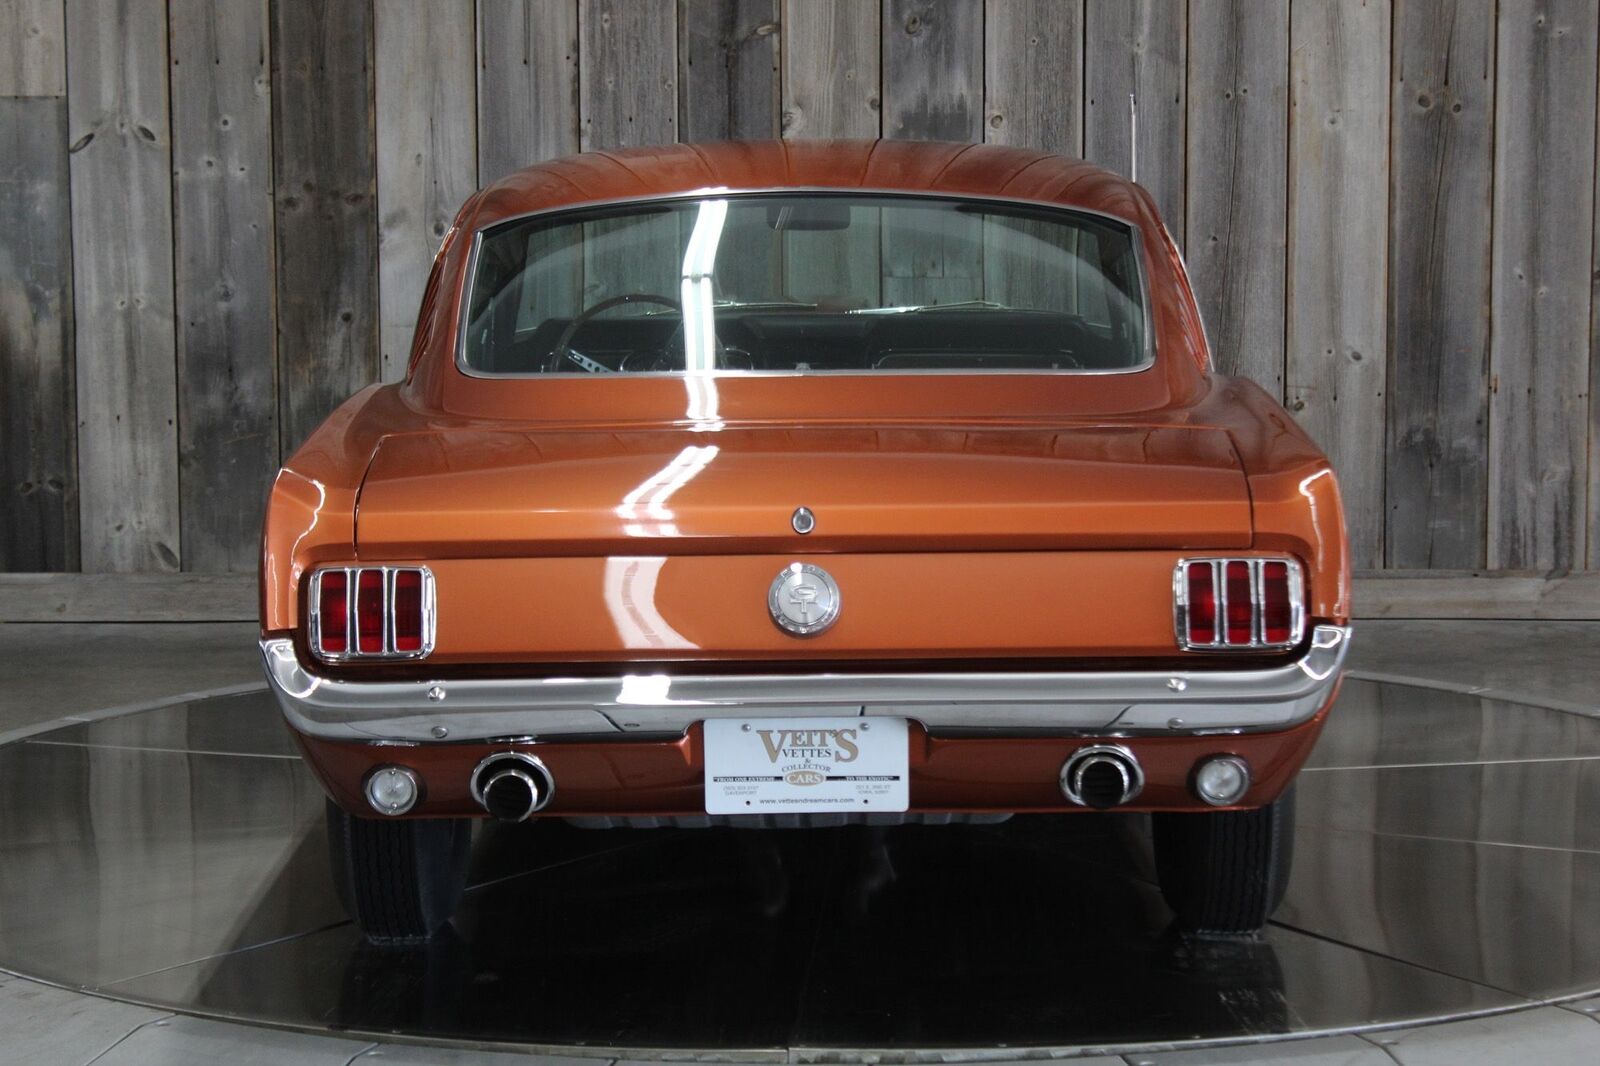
{"type": "Point", "coordinates": [1102, 776]}
{"type": "Point", "coordinates": [512, 786]}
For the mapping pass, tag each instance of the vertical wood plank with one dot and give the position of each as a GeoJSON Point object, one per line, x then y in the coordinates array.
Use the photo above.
{"type": "Point", "coordinates": [933, 69]}
{"type": "Point", "coordinates": [1594, 382]}
{"type": "Point", "coordinates": [627, 71]}
{"type": "Point", "coordinates": [121, 172]}
{"type": "Point", "coordinates": [637, 253]}
{"type": "Point", "coordinates": [831, 81]}
{"type": "Point", "coordinates": [728, 69]}
{"type": "Point", "coordinates": [1338, 244]}
{"type": "Point", "coordinates": [831, 63]}
{"type": "Point", "coordinates": [1543, 237]}
{"type": "Point", "coordinates": [931, 256]}
{"type": "Point", "coordinates": [1138, 47]}
{"type": "Point", "coordinates": [222, 214]}
{"type": "Point", "coordinates": [38, 461]}
{"type": "Point", "coordinates": [425, 106]}
{"type": "Point", "coordinates": [32, 48]}
{"type": "Point", "coordinates": [1033, 98]}
{"type": "Point", "coordinates": [325, 209]}
{"type": "Point", "coordinates": [837, 268]}
{"type": "Point", "coordinates": [1441, 160]}
{"type": "Point", "coordinates": [1238, 182]}
{"type": "Point", "coordinates": [932, 90]}
{"type": "Point", "coordinates": [1033, 74]}
{"type": "Point", "coordinates": [527, 83]}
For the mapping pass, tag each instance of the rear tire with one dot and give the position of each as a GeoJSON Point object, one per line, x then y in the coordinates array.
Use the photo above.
{"type": "Point", "coordinates": [1225, 872]}
{"type": "Point", "coordinates": [399, 879]}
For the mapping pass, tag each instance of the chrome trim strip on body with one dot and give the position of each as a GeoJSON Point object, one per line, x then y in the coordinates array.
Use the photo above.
{"type": "Point", "coordinates": [470, 273]}
{"type": "Point", "coordinates": [1099, 703]}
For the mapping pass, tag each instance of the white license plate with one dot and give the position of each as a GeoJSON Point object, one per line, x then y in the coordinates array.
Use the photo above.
{"type": "Point", "coordinates": [804, 765]}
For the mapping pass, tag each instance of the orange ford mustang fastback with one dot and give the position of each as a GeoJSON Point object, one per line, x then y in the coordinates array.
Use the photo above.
{"type": "Point", "coordinates": [778, 484]}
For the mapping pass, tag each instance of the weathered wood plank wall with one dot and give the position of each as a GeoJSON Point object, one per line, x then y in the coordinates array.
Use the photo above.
{"type": "Point", "coordinates": [216, 228]}
{"type": "Point", "coordinates": [1542, 292]}
{"type": "Point", "coordinates": [425, 100]}
{"type": "Point", "coordinates": [1033, 74]}
{"type": "Point", "coordinates": [1338, 246]}
{"type": "Point", "coordinates": [38, 445]}
{"type": "Point", "coordinates": [325, 210]}
{"type": "Point", "coordinates": [1237, 187]}
{"type": "Point", "coordinates": [1135, 51]}
{"type": "Point", "coordinates": [32, 49]}
{"type": "Point", "coordinates": [1441, 156]}
{"type": "Point", "coordinates": [728, 69]}
{"type": "Point", "coordinates": [527, 83]}
{"type": "Point", "coordinates": [222, 210]}
{"type": "Point", "coordinates": [120, 140]}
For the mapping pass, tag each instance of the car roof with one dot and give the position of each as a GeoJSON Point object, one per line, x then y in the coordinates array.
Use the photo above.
{"type": "Point", "coordinates": [981, 170]}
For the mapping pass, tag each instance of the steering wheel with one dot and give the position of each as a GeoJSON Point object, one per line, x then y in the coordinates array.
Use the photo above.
{"type": "Point", "coordinates": [563, 352]}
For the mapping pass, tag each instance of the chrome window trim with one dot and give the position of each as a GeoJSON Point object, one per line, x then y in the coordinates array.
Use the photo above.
{"type": "Point", "coordinates": [470, 277]}
{"type": "Point", "coordinates": [352, 652]}
{"type": "Point", "coordinates": [1088, 703]}
{"type": "Point", "coordinates": [1258, 641]}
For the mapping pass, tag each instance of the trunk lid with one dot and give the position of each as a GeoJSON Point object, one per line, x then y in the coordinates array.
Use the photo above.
{"type": "Point", "coordinates": [474, 493]}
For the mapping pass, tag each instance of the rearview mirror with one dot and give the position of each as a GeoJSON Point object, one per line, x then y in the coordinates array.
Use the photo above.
{"type": "Point", "coordinates": [808, 215]}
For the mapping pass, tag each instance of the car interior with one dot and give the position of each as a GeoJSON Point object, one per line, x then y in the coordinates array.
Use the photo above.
{"type": "Point", "coordinates": [807, 284]}
{"type": "Point", "coordinates": [801, 339]}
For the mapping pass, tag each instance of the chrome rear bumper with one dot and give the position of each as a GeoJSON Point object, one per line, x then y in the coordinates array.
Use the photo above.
{"type": "Point", "coordinates": [1091, 703]}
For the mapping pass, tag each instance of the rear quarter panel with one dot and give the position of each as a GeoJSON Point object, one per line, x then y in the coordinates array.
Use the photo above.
{"type": "Point", "coordinates": [311, 509]}
{"type": "Point", "coordinates": [1294, 492]}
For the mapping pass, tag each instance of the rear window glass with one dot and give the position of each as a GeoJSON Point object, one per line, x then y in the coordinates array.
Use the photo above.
{"type": "Point", "coordinates": [807, 284]}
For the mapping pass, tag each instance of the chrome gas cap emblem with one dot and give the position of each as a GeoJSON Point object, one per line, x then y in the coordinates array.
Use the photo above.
{"type": "Point", "coordinates": [804, 600]}
{"type": "Point", "coordinates": [803, 520]}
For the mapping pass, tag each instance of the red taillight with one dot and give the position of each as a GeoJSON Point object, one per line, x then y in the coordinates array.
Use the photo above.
{"type": "Point", "coordinates": [369, 612]}
{"type": "Point", "coordinates": [1277, 617]}
{"type": "Point", "coordinates": [372, 612]}
{"type": "Point", "coordinates": [408, 610]}
{"type": "Point", "coordinates": [1239, 604]}
{"type": "Point", "coordinates": [333, 619]}
{"type": "Point", "coordinates": [1240, 608]}
{"type": "Point", "coordinates": [1202, 603]}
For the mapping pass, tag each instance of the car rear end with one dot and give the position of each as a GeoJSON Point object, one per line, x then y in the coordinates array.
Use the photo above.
{"type": "Point", "coordinates": [1029, 610]}
{"type": "Point", "coordinates": [776, 606]}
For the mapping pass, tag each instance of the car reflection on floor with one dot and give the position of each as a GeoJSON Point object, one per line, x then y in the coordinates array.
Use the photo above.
{"type": "Point", "coordinates": [1446, 853]}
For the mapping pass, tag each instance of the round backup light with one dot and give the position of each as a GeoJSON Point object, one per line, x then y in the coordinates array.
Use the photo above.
{"type": "Point", "coordinates": [392, 790]}
{"type": "Point", "coordinates": [1222, 780]}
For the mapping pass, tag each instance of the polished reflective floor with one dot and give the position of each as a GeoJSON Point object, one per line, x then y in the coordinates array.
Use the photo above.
{"type": "Point", "coordinates": [1447, 862]}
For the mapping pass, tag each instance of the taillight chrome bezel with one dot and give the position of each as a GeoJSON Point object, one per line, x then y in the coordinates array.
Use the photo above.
{"type": "Point", "coordinates": [1257, 641]}
{"type": "Point", "coordinates": [352, 582]}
